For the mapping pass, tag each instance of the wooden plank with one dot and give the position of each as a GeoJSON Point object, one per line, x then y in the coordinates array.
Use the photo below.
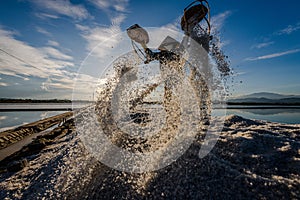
{"type": "Point", "coordinates": [12, 136]}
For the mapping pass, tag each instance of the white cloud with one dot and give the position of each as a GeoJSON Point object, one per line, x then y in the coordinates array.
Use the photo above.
{"type": "Point", "coordinates": [85, 86]}
{"type": "Point", "coordinates": [53, 43]}
{"type": "Point", "coordinates": [289, 29]}
{"type": "Point", "coordinates": [46, 15]}
{"type": "Point", "coordinates": [62, 7]}
{"type": "Point", "coordinates": [269, 56]}
{"type": "Point", "coordinates": [224, 43]}
{"type": "Point", "coordinates": [237, 74]}
{"type": "Point", "coordinates": [217, 21]}
{"type": "Point", "coordinates": [54, 53]}
{"type": "Point", "coordinates": [43, 31]}
{"type": "Point", "coordinates": [116, 21]}
{"type": "Point", "coordinates": [98, 34]}
{"type": "Point", "coordinates": [46, 85]}
{"type": "Point", "coordinates": [102, 4]}
{"type": "Point", "coordinates": [82, 27]}
{"type": "Point", "coordinates": [117, 5]}
{"type": "Point", "coordinates": [19, 59]}
{"type": "Point", "coordinates": [262, 45]}
{"type": "Point", "coordinates": [65, 83]}
{"type": "Point", "coordinates": [24, 61]}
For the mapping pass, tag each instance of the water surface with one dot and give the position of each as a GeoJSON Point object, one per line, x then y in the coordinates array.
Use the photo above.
{"type": "Point", "coordinates": [273, 114]}
{"type": "Point", "coordinates": [13, 119]}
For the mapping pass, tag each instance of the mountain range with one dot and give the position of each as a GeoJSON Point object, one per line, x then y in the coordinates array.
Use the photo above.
{"type": "Point", "coordinates": [266, 98]}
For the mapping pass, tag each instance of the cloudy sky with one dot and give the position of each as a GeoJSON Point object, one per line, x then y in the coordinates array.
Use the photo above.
{"type": "Point", "coordinates": [44, 42]}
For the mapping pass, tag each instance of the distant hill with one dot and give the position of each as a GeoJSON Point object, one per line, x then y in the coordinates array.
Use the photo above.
{"type": "Point", "coordinates": [266, 98]}
{"type": "Point", "coordinates": [6, 100]}
{"type": "Point", "coordinates": [268, 95]}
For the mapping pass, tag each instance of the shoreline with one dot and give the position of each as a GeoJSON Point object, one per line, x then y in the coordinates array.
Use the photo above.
{"type": "Point", "coordinates": [70, 108]}
{"type": "Point", "coordinates": [33, 109]}
{"type": "Point", "coordinates": [11, 136]}
{"type": "Point", "coordinates": [260, 107]}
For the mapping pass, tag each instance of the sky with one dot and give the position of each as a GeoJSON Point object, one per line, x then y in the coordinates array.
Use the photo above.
{"type": "Point", "coordinates": [44, 43]}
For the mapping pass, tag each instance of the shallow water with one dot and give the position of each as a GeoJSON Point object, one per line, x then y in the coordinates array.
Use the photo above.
{"type": "Point", "coordinates": [34, 105]}
{"type": "Point", "coordinates": [289, 116]}
{"type": "Point", "coordinates": [13, 119]}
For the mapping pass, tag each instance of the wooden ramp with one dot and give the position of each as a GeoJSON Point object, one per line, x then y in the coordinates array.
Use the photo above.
{"type": "Point", "coordinates": [12, 136]}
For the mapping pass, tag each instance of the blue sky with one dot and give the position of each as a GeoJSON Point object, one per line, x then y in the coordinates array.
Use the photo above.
{"type": "Point", "coordinates": [43, 43]}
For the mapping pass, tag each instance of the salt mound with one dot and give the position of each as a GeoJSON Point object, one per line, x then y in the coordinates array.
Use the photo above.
{"type": "Point", "coordinates": [235, 119]}
{"type": "Point", "coordinates": [251, 160]}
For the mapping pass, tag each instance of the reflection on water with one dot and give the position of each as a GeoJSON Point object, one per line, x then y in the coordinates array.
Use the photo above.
{"type": "Point", "coordinates": [35, 105]}
{"type": "Point", "coordinates": [271, 111]}
{"type": "Point", "coordinates": [282, 115]}
{"type": "Point", "coordinates": [13, 119]}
